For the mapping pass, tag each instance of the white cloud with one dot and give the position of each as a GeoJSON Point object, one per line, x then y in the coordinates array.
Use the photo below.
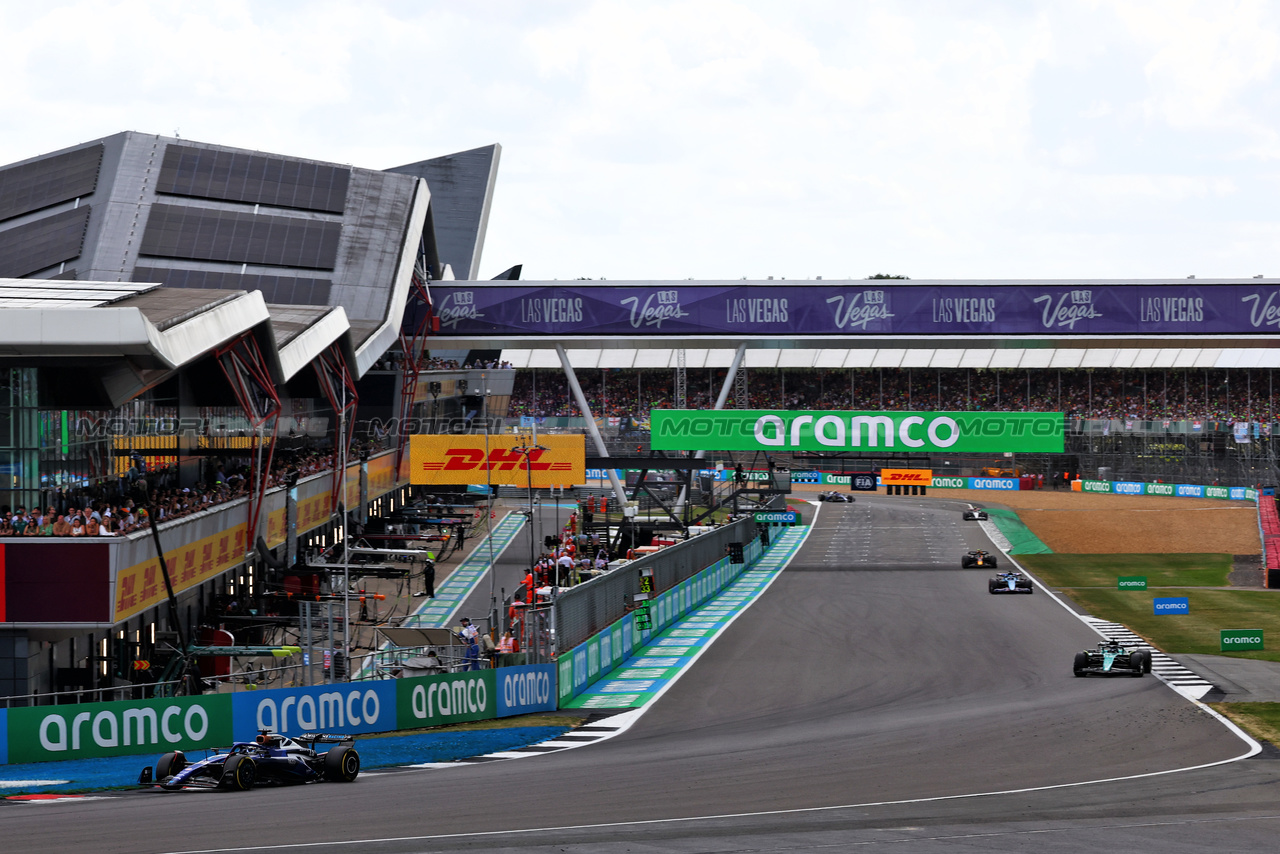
{"type": "Point", "coordinates": [726, 137]}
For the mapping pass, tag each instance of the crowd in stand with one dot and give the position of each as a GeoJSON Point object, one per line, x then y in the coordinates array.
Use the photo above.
{"type": "Point", "coordinates": [122, 507]}
{"type": "Point", "coordinates": [1152, 395]}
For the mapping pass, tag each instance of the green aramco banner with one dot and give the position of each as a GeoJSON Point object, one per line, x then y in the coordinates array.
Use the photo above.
{"type": "Point", "coordinates": [778, 430]}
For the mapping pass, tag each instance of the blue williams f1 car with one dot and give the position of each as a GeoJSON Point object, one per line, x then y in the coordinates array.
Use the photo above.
{"type": "Point", "coordinates": [1010, 581]}
{"type": "Point", "coordinates": [270, 760]}
{"type": "Point", "coordinates": [1112, 659]}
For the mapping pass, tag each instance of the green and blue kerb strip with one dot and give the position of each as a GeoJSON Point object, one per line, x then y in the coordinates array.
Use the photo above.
{"type": "Point", "coordinates": [657, 662]}
{"type": "Point", "coordinates": [436, 613]}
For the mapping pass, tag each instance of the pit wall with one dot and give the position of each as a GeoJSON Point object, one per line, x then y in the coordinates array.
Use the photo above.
{"type": "Point", "coordinates": [154, 727]}
{"type": "Point", "coordinates": [587, 662]}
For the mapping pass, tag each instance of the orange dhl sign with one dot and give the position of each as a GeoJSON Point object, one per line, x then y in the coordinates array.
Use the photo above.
{"type": "Point", "coordinates": [507, 461]}
{"type": "Point", "coordinates": [915, 477]}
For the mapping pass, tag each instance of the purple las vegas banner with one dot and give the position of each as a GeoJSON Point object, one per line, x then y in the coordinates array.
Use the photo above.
{"type": "Point", "coordinates": [855, 308]}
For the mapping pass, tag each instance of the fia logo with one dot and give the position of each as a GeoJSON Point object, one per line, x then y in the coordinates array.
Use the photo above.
{"type": "Point", "coordinates": [455, 307]}
{"type": "Point", "coordinates": [657, 307]}
{"type": "Point", "coordinates": [1072, 306]}
{"type": "Point", "coordinates": [857, 310]}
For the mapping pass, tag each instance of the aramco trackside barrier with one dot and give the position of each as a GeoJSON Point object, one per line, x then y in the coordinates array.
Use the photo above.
{"type": "Point", "coordinates": [586, 662]}
{"type": "Point", "coordinates": [1110, 487]}
{"type": "Point", "coordinates": [583, 610]}
{"type": "Point", "coordinates": [1173, 490]}
{"type": "Point", "coordinates": [1117, 487]}
{"type": "Point", "coordinates": [78, 731]}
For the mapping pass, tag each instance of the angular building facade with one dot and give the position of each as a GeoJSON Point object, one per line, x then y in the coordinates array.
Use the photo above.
{"type": "Point", "coordinates": [208, 295]}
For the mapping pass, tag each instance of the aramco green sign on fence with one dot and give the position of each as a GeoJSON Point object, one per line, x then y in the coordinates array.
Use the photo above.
{"type": "Point", "coordinates": [824, 430]}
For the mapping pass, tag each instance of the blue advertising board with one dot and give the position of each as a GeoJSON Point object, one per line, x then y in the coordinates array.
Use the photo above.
{"type": "Point", "coordinates": [342, 707]}
{"type": "Point", "coordinates": [522, 690]}
{"type": "Point", "coordinates": [857, 307]}
{"type": "Point", "coordinates": [1171, 605]}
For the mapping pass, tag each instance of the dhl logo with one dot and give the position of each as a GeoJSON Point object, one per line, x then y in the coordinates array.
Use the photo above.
{"type": "Point", "coordinates": [920, 477]}
{"type": "Point", "coordinates": [473, 459]}
{"type": "Point", "coordinates": [554, 460]}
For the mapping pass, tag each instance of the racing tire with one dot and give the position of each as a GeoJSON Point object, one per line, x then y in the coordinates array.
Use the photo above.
{"type": "Point", "coordinates": [341, 764]}
{"type": "Point", "coordinates": [992, 585]}
{"type": "Point", "coordinates": [992, 562]}
{"type": "Point", "coordinates": [170, 764]}
{"type": "Point", "coordinates": [1081, 662]}
{"type": "Point", "coordinates": [239, 772]}
{"type": "Point", "coordinates": [1146, 661]}
{"type": "Point", "coordinates": [1137, 661]}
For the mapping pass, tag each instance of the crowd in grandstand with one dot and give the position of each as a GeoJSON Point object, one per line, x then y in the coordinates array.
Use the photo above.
{"type": "Point", "coordinates": [1152, 395]}
{"type": "Point", "coordinates": [124, 506]}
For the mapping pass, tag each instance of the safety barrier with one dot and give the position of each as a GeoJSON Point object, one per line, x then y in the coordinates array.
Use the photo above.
{"type": "Point", "coordinates": [1269, 530]}
{"type": "Point", "coordinates": [1170, 490]}
{"type": "Point", "coordinates": [586, 662]}
{"type": "Point", "coordinates": [86, 730]}
{"type": "Point", "coordinates": [584, 610]}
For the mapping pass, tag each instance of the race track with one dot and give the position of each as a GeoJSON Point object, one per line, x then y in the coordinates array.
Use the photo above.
{"type": "Point", "coordinates": [874, 670]}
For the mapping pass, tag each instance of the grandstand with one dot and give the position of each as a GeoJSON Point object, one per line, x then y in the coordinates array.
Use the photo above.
{"type": "Point", "coordinates": [1202, 426]}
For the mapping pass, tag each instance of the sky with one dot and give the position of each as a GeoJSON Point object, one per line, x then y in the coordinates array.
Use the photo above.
{"type": "Point", "coordinates": [714, 139]}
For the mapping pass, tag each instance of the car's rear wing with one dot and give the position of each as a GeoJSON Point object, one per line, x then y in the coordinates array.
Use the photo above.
{"type": "Point", "coordinates": [324, 738]}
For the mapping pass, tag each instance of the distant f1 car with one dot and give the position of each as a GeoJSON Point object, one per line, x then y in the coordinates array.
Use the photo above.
{"type": "Point", "coordinates": [973, 514]}
{"type": "Point", "coordinates": [978, 558]}
{"type": "Point", "coordinates": [270, 760]}
{"type": "Point", "coordinates": [1112, 659]}
{"type": "Point", "coordinates": [839, 497]}
{"type": "Point", "coordinates": [1010, 581]}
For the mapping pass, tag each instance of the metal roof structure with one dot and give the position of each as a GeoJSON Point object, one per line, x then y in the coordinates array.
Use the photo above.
{"type": "Point", "coordinates": [218, 242]}
{"type": "Point", "coordinates": [1065, 358]}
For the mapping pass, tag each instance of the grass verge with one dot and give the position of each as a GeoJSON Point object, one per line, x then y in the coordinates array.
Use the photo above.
{"type": "Point", "coordinates": [1161, 570]}
{"type": "Point", "coordinates": [1090, 582]}
{"type": "Point", "coordinates": [1260, 720]}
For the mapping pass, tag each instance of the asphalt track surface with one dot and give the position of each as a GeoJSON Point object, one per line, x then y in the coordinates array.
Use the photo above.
{"type": "Point", "coordinates": [875, 697]}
